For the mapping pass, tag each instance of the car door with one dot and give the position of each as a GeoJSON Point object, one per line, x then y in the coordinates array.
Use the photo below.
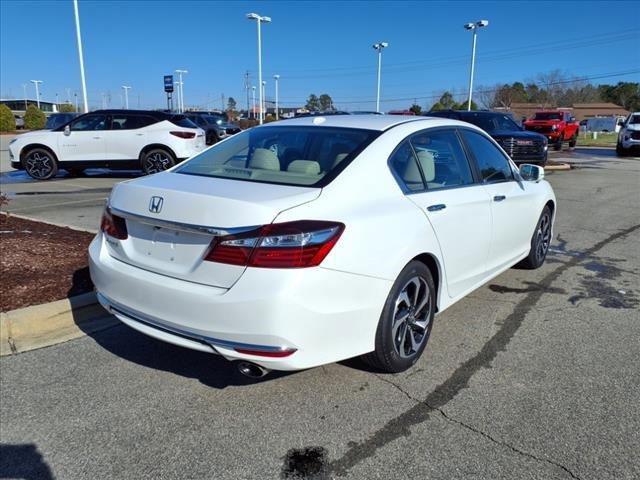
{"type": "Point", "coordinates": [513, 219]}
{"type": "Point", "coordinates": [85, 140]}
{"type": "Point", "coordinates": [127, 135]}
{"type": "Point", "coordinates": [439, 180]}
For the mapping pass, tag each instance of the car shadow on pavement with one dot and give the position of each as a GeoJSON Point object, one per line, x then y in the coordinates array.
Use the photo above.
{"type": "Point", "coordinates": [125, 342]}
{"type": "Point", "coordinates": [23, 461]}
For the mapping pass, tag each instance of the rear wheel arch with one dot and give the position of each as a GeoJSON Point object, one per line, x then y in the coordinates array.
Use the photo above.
{"type": "Point", "coordinates": [433, 265]}
{"type": "Point", "coordinates": [154, 146]}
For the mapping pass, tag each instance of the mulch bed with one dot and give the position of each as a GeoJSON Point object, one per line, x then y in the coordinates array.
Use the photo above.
{"type": "Point", "coordinates": [40, 263]}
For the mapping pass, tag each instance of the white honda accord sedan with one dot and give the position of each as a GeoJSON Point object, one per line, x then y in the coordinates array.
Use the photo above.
{"type": "Point", "coordinates": [312, 240]}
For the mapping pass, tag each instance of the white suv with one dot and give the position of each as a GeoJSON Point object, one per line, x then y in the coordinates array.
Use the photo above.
{"type": "Point", "coordinates": [629, 135]}
{"type": "Point", "coordinates": [119, 139]}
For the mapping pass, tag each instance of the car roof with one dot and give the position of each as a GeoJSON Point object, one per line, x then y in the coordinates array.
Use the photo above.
{"type": "Point", "coordinates": [367, 122]}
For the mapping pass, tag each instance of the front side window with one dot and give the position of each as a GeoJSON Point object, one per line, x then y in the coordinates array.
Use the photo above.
{"type": "Point", "coordinates": [493, 165]}
{"type": "Point", "coordinates": [286, 155]}
{"type": "Point", "coordinates": [88, 123]}
{"type": "Point", "coordinates": [442, 159]}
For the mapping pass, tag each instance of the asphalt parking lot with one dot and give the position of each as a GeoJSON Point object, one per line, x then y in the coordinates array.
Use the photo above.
{"type": "Point", "coordinates": [534, 376]}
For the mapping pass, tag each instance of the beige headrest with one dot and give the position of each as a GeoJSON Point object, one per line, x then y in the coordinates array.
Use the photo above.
{"type": "Point", "coordinates": [412, 173]}
{"type": "Point", "coordinates": [264, 159]}
{"type": "Point", "coordinates": [428, 164]}
{"type": "Point", "coordinates": [308, 167]}
{"type": "Point", "coordinates": [339, 158]}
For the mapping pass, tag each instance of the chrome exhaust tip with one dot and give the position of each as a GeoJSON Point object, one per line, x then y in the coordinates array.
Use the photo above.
{"type": "Point", "coordinates": [251, 370]}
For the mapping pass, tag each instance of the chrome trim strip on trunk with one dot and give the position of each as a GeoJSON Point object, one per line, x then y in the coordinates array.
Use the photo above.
{"type": "Point", "coordinates": [187, 227]}
{"type": "Point", "coordinates": [213, 342]}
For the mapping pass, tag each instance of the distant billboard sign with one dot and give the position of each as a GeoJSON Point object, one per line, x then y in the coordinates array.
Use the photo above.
{"type": "Point", "coordinates": [168, 83]}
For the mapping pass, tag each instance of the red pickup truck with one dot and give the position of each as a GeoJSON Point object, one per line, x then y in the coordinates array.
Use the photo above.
{"type": "Point", "coordinates": [557, 125]}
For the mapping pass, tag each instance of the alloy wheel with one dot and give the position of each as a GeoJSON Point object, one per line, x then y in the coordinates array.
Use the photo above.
{"type": "Point", "coordinates": [157, 162]}
{"type": "Point", "coordinates": [39, 165]}
{"type": "Point", "coordinates": [543, 237]}
{"type": "Point", "coordinates": [411, 317]}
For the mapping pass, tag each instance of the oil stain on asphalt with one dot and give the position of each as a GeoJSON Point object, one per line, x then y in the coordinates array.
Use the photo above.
{"type": "Point", "coordinates": [309, 463]}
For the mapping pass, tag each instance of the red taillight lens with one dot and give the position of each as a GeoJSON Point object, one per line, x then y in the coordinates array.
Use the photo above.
{"type": "Point", "coordinates": [183, 134]}
{"type": "Point", "coordinates": [280, 245]}
{"type": "Point", "coordinates": [113, 225]}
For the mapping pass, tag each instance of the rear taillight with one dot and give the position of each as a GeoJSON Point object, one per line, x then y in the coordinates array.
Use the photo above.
{"type": "Point", "coordinates": [298, 244]}
{"type": "Point", "coordinates": [113, 225]}
{"type": "Point", "coordinates": [183, 134]}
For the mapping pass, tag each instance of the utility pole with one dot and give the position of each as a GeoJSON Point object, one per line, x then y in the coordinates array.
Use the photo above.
{"type": "Point", "coordinates": [79, 38]}
{"type": "Point", "coordinates": [263, 107]}
{"type": "Point", "coordinates": [253, 102]}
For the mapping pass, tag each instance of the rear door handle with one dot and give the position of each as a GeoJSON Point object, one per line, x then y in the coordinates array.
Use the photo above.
{"type": "Point", "coordinates": [97, 138]}
{"type": "Point", "coordinates": [499, 198]}
{"type": "Point", "coordinates": [435, 208]}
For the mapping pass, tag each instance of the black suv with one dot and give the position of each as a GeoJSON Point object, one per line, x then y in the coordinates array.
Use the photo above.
{"type": "Point", "coordinates": [521, 145]}
{"type": "Point", "coordinates": [215, 125]}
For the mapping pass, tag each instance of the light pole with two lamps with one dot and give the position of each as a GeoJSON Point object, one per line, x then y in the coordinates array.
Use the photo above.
{"type": "Point", "coordinates": [379, 47]}
{"type": "Point", "coordinates": [259, 20]}
{"type": "Point", "coordinates": [473, 27]}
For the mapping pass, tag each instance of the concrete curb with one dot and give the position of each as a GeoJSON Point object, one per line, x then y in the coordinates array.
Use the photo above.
{"type": "Point", "coordinates": [558, 167]}
{"type": "Point", "coordinates": [46, 222]}
{"type": "Point", "coordinates": [48, 324]}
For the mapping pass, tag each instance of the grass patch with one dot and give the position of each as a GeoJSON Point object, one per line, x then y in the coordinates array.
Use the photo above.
{"type": "Point", "coordinates": [603, 140]}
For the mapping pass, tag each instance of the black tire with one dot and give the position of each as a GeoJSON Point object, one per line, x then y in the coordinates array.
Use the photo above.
{"type": "Point", "coordinates": [574, 140]}
{"type": "Point", "coordinates": [157, 160]}
{"type": "Point", "coordinates": [40, 164]}
{"type": "Point", "coordinates": [620, 151]}
{"type": "Point", "coordinates": [404, 327]}
{"type": "Point", "coordinates": [558, 145]}
{"type": "Point", "coordinates": [540, 241]}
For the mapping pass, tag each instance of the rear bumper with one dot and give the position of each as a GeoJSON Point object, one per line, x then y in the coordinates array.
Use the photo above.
{"type": "Point", "coordinates": [325, 315]}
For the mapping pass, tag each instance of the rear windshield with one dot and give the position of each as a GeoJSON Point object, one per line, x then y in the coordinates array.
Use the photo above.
{"type": "Point", "coordinates": [303, 156]}
{"type": "Point", "coordinates": [182, 121]}
{"type": "Point", "coordinates": [547, 116]}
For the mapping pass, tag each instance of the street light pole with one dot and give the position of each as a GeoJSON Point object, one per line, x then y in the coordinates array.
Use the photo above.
{"type": "Point", "coordinates": [379, 47]}
{"type": "Point", "coordinates": [79, 38]}
{"type": "Point", "coordinates": [181, 89]}
{"type": "Point", "coordinates": [126, 96]}
{"type": "Point", "coordinates": [263, 107]}
{"type": "Point", "coordinates": [259, 20]}
{"type": "Point", "coordinates": [253, 101]}
{"type": "Point", "coordinates": [24, 89]}
{"type": "Point", "coordinates": [276, 78]}
{"type": "Point", "coordinates": [36, 83]}
{"type": "Point", "coordinates": [474, 27]}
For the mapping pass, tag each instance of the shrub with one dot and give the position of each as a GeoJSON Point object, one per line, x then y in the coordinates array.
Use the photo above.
{"type": "Point", "coordinates": [7, 120]}
{"type": "Point", "coordinates": [66, 107]}
{"type": "Point", "coordinates": [245, 123]}
{"type": "Point", "coordinates": [34, 119]}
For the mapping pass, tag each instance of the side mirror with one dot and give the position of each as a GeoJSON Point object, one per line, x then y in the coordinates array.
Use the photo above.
{"type": "Point", "coordinates": [620, 122]}
{"type": "Point", "coordinates": [531, 173]}
{"type": "Point", "coordinates": [67, 130]}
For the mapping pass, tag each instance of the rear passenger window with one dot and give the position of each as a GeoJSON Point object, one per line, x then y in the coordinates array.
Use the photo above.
{"type": "Point", "coordinates": [403, 163]}
{"type": "Point", "coordinates": [493, 165]}
{"type": "Point", "coordinates": [442, 159]}
{"type": "Point", "coordinates": [130, 122]}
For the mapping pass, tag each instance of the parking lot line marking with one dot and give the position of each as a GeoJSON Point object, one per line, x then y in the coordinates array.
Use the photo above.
{"type": "Point", "coordinates": [57, 204]}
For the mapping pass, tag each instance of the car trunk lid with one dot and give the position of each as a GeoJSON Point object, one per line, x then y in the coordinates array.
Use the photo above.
{"type": "Point", "coordinates": [172, 219]}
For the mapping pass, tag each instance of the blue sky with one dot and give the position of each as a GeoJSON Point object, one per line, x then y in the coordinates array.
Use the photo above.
{"type": "Point", "coordinates": [315, 46]}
